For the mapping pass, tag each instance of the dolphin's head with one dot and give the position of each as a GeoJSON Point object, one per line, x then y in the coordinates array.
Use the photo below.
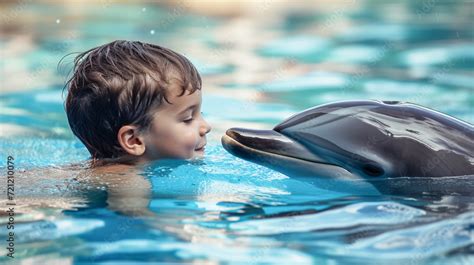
{"type": "Point", "coordinates": [330, 140]}
{"type": "Point", "coordinates": [279, 152]}
{"type": "Point", "coordinates": [380, 142]}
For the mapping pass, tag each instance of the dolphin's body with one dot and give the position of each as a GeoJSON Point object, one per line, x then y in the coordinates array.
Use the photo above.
{"type": "Point", "coordinates": [399, 148]}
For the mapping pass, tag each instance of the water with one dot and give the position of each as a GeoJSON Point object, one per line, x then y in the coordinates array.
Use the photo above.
{"type": "Point", "coordinates": [258, 69]}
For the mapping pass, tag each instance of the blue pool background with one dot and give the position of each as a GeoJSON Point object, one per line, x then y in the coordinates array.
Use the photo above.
{"type": "Point", "coordinates": [260, 63]}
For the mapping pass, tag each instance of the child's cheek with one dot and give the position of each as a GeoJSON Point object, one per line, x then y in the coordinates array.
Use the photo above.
{"type": "Point", "coordinates": [190, 141]}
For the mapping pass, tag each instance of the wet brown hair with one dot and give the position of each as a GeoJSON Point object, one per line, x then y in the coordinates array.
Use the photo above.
{"type": "Point", "coordinates": [121, 83]}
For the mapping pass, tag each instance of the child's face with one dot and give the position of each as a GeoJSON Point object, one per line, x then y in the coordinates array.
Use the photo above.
{"type": "Point", "coordinates": [177, 130]}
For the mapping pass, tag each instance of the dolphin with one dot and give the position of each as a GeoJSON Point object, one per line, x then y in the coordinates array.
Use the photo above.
{"type": "Point", "coordinates": [398, 147]}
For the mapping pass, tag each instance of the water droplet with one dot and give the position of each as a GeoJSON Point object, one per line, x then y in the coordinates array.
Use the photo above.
{"type": "Point", "coordinates": [152, 32]}
{"type": "Point", "coordinates": [58, 21]}
{"type": "Point", "coordinates": [144, 9]}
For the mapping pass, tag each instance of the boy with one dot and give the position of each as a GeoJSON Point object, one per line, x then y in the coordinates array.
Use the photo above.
{"type": "Point", "coordinates": [131, 102]}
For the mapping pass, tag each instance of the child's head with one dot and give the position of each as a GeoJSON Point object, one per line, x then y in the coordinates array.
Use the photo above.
{"type": "Point", "coordinates": [137, 102]}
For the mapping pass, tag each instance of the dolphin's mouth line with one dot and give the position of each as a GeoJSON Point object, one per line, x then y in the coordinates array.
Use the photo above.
{"type": "Point", "coordinates": [231, 141]}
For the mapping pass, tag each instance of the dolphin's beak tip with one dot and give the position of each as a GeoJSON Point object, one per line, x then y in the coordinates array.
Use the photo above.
{"type": "Point", "coordinates": [229, 142]}
{"type": "Point", "coordinates": [231, 132]}
{"type": "Point", "coordinates": [224, 140]}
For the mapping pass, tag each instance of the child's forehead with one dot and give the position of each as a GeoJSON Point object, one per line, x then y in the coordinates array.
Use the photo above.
{"type": "Point", "coordinates": [182, 102]}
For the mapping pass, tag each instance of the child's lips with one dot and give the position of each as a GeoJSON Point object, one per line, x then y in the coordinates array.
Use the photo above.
{"type": "Point", "coordinates": [202, 148]}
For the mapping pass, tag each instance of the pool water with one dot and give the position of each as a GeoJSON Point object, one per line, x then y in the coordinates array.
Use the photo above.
{"type": "Point", "coordinates": [258, 68]}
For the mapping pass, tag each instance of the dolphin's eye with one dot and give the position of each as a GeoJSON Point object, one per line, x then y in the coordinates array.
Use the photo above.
{"type": "Point", "coordinates": [372, 170]}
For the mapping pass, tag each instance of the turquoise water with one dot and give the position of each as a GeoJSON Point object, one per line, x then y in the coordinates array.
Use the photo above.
{"type": "Point", "coordinates": [258, 69]}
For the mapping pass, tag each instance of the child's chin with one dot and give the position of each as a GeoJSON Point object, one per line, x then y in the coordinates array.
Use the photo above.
{"type": "Point", "coordinates": [198, 153]}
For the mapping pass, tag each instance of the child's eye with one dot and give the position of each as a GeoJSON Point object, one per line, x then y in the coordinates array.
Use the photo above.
{"type": "Point", "coordinates": [188, 120]}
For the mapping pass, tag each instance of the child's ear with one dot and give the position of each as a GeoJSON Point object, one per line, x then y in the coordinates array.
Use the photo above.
{"type": "Point", "coordinates": [130, 140]}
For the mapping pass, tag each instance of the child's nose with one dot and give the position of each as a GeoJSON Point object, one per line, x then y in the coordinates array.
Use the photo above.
{"type": "Point", "coordinates": [205, 127]}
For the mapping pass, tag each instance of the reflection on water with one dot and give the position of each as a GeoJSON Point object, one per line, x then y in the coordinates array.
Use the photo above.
{"type": "Point", "coordinates": [260, 64]}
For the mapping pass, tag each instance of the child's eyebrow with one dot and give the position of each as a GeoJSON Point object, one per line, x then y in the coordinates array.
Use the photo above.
{"type": "Point", "coordinates": [189, 108]}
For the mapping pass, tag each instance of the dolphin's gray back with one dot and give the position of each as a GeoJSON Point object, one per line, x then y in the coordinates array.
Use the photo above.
{"type": "Point", "coordinates": [390, 139]}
